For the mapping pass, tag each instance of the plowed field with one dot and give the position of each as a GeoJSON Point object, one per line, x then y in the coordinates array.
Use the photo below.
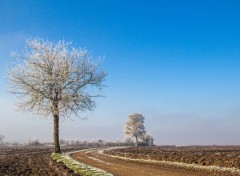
{"type": "Point", "coordinates": [30, 161]}
{"type": "Point", "coordinates": [223, 156]}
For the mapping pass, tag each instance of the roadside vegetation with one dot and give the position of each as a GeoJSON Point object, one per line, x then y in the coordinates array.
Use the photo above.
{"type": "Point", "coordinates": [78, 167]}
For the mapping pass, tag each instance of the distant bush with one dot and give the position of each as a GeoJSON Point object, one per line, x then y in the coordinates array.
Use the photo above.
{"type": "Point", "coordinates": [34, 142]}
{"type": "Point", "coordinates": [1, 137]}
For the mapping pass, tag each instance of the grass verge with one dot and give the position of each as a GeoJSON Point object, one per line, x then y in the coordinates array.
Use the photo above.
{"type": "Point", "coordinates": [78, 167]}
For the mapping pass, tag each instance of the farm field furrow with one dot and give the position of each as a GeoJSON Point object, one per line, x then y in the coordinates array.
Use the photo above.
{"type": "Point", "coordinates": [222, 156]}
{"type": "Point", "coordinates": [130, 161]}
{"type": "Point", "coordinates": [20, 161]}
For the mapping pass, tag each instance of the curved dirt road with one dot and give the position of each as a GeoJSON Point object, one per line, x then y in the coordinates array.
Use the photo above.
{"type": "Point", "coordinates": [119, 167]}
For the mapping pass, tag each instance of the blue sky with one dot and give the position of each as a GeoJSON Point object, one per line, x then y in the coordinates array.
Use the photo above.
{"type": "Point", "coordinates": [175, 62]}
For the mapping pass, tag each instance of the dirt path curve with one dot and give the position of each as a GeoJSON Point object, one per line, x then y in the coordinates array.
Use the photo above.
{"type": "Point", "coordinates": [120, 167]}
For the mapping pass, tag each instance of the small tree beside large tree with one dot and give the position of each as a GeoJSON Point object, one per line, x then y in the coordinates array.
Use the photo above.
{"type": "Point", "coordinates": [54, 79]}
{"type": "Point", "coordinates": [135, 127]}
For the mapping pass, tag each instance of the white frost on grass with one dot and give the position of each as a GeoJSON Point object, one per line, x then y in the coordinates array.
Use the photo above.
{"type": "Point", "coordinates": [231, 170]}
{"type": "Point", "coordinates": [78, 167]}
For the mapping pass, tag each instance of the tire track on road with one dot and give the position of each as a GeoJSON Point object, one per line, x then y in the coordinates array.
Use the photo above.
{"type": "Point", "coordinates": [120, 167]}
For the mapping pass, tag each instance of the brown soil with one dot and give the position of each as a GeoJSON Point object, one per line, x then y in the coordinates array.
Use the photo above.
{"type": "Point", "coordinates": [223, 156]}
{"type": "Point", "coordinates": [19, 161]}
{"type": "Point", "coordinates": [120, 167]}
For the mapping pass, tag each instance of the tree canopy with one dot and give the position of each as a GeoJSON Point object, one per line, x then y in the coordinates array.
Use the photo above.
{"type": "Point", "coordinates": [135, 127]}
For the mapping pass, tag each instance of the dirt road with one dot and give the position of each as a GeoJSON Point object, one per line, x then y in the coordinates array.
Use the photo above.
{"type": "Point", "coordinates": [120, 167]}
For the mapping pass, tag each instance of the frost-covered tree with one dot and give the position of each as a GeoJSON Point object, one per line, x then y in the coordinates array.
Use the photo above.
{"type": "Point", "coordinates": [53, 78]}
{"type": "Point", "coordinates": [135, 127]}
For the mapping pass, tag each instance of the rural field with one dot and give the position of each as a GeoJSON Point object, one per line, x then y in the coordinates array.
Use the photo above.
{"type": "Point", "coordinates": [30, 161]}
{"type": "Point", "coordinates": [222, 156]}
{"type": "Point", "coordinates": [157, 160]}
{"type": "Point", "coordinates": [119, 88]}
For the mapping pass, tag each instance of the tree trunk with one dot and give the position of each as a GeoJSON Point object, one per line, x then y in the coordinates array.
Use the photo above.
{"type": "Point", "coordinates": [56, 134]}
{"type": "Point", "coordinates": [136, 140]}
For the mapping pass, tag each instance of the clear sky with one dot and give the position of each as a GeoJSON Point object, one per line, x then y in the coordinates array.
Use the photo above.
{"type": "Point", "coordinates": [175, 62]}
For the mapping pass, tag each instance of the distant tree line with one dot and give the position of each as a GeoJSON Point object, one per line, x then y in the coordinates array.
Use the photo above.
{"type": "Point", "coordinates": [94, 143]}
{"type": "Point", "coordinates": [72, 143]}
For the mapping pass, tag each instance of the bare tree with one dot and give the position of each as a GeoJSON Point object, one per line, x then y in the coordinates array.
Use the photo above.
{"type": "Point", "coordinates": [1, 137]}
{"type": "Point", "coordinates": [33, 142]}
{"type": "Point", "coordinates": [54, 79]}
{"type": "Point", "coordinates": [135, 127]}
{"type": "Point", "coordinates": [148, 139]}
